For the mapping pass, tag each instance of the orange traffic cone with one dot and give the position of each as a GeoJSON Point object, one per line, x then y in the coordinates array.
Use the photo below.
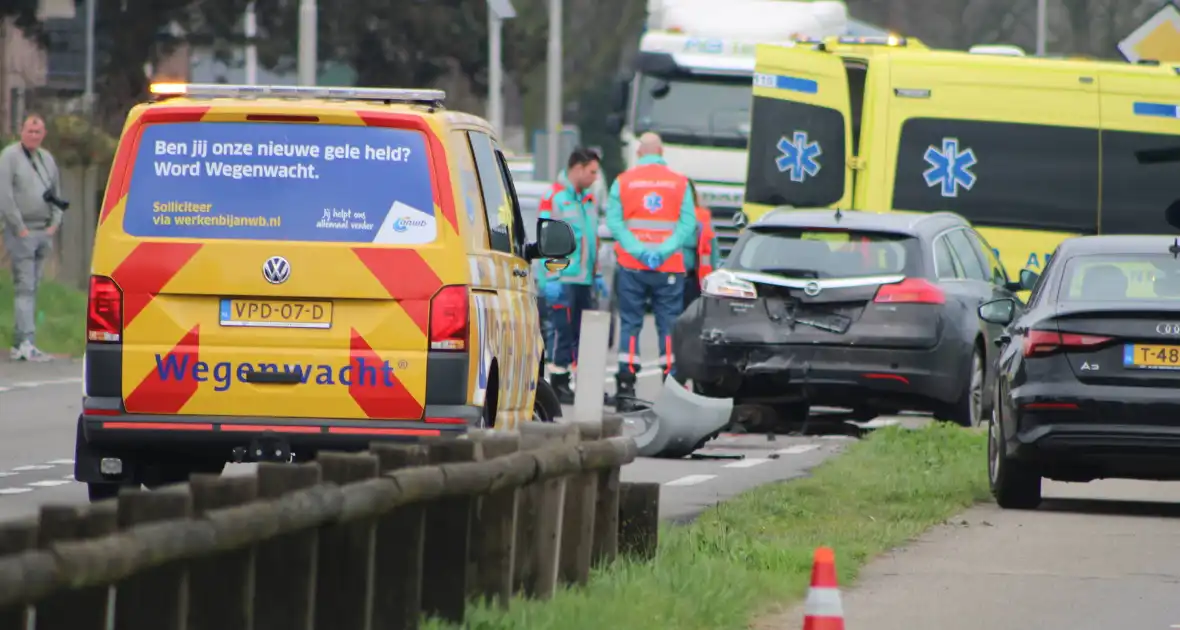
{"type": "Point", "coordinates": [823, 609]}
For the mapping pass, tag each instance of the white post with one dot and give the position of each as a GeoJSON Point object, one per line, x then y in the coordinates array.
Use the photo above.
{"type": "Point", "coordinates": [553, 91]}
{"type": "Point", "coordinates": [495, 74]}
{"type": "Point", "coordinates": [307, 42]}
{"type": "Point", "coordinates": [88, 90]}
{"type": "Point", "coordinates": [251, 48]}
{"type": "Point", "coordinates": [592, 356]}
{"type": "Point", "coordinates": [1042, 19]}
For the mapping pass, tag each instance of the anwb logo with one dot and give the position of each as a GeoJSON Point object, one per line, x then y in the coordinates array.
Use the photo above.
{"type": "Point", "coordinates": [401, 224]}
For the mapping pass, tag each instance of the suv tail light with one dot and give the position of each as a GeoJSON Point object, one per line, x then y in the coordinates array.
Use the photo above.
{"type": "Point", "coordinates": [104, 311]}
{"type": "Point", "coordinates": [448, 319]}
{"type": "Point", "coordinates": [910, 291]}
{"type": "Point", "coordinates": [1040, 343]}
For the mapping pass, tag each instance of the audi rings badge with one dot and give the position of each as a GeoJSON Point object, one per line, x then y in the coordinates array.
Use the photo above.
{"type": "Point", "coordinates": [1168, 328]}
{"type": "Point", "coordinates": [276, 270]}
{"type": "Point", "coordinates": [811, 289]}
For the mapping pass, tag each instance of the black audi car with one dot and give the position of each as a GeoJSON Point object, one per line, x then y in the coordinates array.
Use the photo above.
{"type": "Point", "coordinates": [873, 312]}
{"type": "Point", "coordinates": [1089, 370]}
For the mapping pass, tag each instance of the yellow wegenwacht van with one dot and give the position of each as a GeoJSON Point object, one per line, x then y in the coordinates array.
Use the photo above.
{"type": "Point", "coordinates": [1030, 150]}
{"type": "Point", "coordinates": [279, 270]}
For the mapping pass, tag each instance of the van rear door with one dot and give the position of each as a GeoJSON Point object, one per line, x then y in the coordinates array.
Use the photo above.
{"type": "Point", "coordinates": [800, 129]}
{"type": "Point", "coordinates": [282, 268]}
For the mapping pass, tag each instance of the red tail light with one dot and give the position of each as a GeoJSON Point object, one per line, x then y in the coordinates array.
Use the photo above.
{"type": "Point", "coordinates": [910, 291]}
{"type": "Point", "coordinates": [448, 319]}
{"type": "Point", "coordinates": [1039, 343]}
{"type": "Point", "coordinates": [104, 311]}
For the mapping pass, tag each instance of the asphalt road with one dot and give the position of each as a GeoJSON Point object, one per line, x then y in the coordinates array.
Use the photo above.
{"type": "Point", "coordinates": [39, 405]}
{"type": "Point", "coordinates": [1097, 556]}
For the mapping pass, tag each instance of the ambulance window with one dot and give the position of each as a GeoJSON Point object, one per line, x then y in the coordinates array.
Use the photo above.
{"type": "Point", "coordinates": [472, 198]}
{"type": "Point", "coordinates": [857, 71]}
{"type": "Point", "coordinates": [496, 200]}
{"type": "Point", "coordinates": [1000, 174]}
{"type": "Point", "coordinates": [1140, 172]}
{"type": "Point", "coordinates": [518, 231]}
{"type": "Point", "coordinates": [797, 156]}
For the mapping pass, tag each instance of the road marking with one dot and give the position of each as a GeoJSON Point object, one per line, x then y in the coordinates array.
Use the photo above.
{"type": "Point", "coordinates": [4, 491]}
{"type": "Point", "coordinates": [798, 449]}
{"type": "Point", "coordinates": [7, 474]}
{"type": "Point", "coordinates": [34, 384]}
{"type": "Point", "coordinates": [690, 480]}
{"type": "Point", "coordinates": [48, 483]}
{"type": "Point", "coordinates": [746, 463]}
{"type": "Point", "coordinates": [32, 467]}
{"type": "Point", "coordinates": [62, 462]}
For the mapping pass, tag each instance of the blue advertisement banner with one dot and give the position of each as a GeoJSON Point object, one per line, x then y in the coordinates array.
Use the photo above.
{"type": "Point", "coordinates": [282, 182]}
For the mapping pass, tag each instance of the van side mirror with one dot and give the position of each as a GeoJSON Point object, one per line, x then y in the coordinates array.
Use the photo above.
{"type": "Point", "coordinates": [1001, 311]}
{"type": "Point", "coordinates": [1028, 279]}
{"type": "Point", "coordinates": [555, 239]}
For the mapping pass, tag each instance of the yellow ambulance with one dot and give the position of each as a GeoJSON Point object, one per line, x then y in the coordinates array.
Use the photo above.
{"type": "Point", "coordinates": [1030, 150]}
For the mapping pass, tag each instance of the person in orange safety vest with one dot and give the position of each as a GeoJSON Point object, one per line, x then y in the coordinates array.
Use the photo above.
{"type": "Point", "coordinates": [701, 255]}
{"type": "Point", "coordinates": [652, 215]}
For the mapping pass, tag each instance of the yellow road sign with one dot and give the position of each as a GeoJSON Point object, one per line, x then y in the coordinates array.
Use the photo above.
{"type": "Point", "coordinates": [1158, 38]}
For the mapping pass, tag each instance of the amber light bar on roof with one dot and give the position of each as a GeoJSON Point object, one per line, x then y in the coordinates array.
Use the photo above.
{"type": "Point", "coordinates": [221, 90]}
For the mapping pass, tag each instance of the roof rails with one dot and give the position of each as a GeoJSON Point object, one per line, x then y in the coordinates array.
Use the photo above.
{"type": "Point", "coordinates": [433, 98]}
{"type": "Point", "coordinates": [873, 40]}
{"type": "Point", "coordinates": [997, 49]}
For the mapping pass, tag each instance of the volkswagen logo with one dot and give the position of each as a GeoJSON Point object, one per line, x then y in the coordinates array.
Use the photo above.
{"type": "Point", "coordinates": [739, 219]}
{"type": "Point", "coordinates": [1168, 329]}
{"type": "Point", "coordinates": [276, 270]}
{"type": "Point", "coordinates": [811, 289]}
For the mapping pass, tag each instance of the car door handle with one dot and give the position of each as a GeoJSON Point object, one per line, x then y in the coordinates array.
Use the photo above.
{"type": "Point", "coordinates": [520, 273]}
{"type": "Point", "coordinates": [1002, 339]}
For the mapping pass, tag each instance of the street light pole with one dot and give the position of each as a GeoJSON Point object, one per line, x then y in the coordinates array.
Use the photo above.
{"type": "Point", "coordinates": [307, 42]}
{"type": "Point", "coordinates": [88, 88]}
{"type": "Point", "coordinates": [251, 48]}
{"type": "Point", "coordinates": [1042, 9]}
{"type": "Point", "coordinates": [498, 11]}
{"type": "Point", "coordinates": [554, 89]}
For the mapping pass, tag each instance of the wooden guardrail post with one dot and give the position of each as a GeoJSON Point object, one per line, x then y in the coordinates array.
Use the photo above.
{"type": "Point", "coordinates": [606, 509]}
{"type": "Point", "coordinates": [639, 520]}
{"type": "Point", "coordinates": [494, 536]}
{"type": "Point", "coordinates": [221, 587]}
{"type": "Point", "coordinates": [15, 537]}
{"type": "Point", "coordinates": [285, 566]}
{"type": "Point", "coordinates": [344, 593]}
{"type": "Point", "coordinates": [577, 536]}
{"type": "Point", "coordinates": [545, 506]}
{"type": "Point", "coordinates": [397, 559]}
{"type": "Point", "coordinates": [154, 599]}
{"type": "Point", "coordinates": [81, 609]}
{"type": "Point", "coordinates": [446, 569]}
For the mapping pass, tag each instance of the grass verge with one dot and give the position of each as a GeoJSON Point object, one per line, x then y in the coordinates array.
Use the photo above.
{"type": "Point", "coordinates": [61, 317]}
{"type": "Point", "coordinates": [754, 551]}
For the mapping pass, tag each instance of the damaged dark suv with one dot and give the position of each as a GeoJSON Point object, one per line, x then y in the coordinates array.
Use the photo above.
{"type": "Point", "coordinates": [871, 312]}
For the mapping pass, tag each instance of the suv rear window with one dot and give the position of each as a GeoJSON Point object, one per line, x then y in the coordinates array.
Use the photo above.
{"type": "Point", "coordinates": [1121, 277]}
{"type": "Point", "coordinates": [282, 182]}
{"type": "Point", "coordinates": [803, 253]}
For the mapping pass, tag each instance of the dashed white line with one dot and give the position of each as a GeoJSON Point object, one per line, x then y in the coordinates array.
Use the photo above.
{"type": "Point", "coordinates": [798, 449]}
{"type": "Point", "coordinates": [48, 483]}
{"type": "Point", "coordinates": [690, 480]}
{"type": "Point", "coordinates": [61, 462]}
{"type": "Point", "coordinates": [746, 463]}
{"type": "Point", "coordinates": [32, 467]}
{"type": "Point", "coordinates": [4, 491]}
{"type": "Point", "coordinates": [33, 384]}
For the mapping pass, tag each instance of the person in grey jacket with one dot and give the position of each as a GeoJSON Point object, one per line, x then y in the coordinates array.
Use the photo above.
{"type": "Point", "coordinates": [30, 214]}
